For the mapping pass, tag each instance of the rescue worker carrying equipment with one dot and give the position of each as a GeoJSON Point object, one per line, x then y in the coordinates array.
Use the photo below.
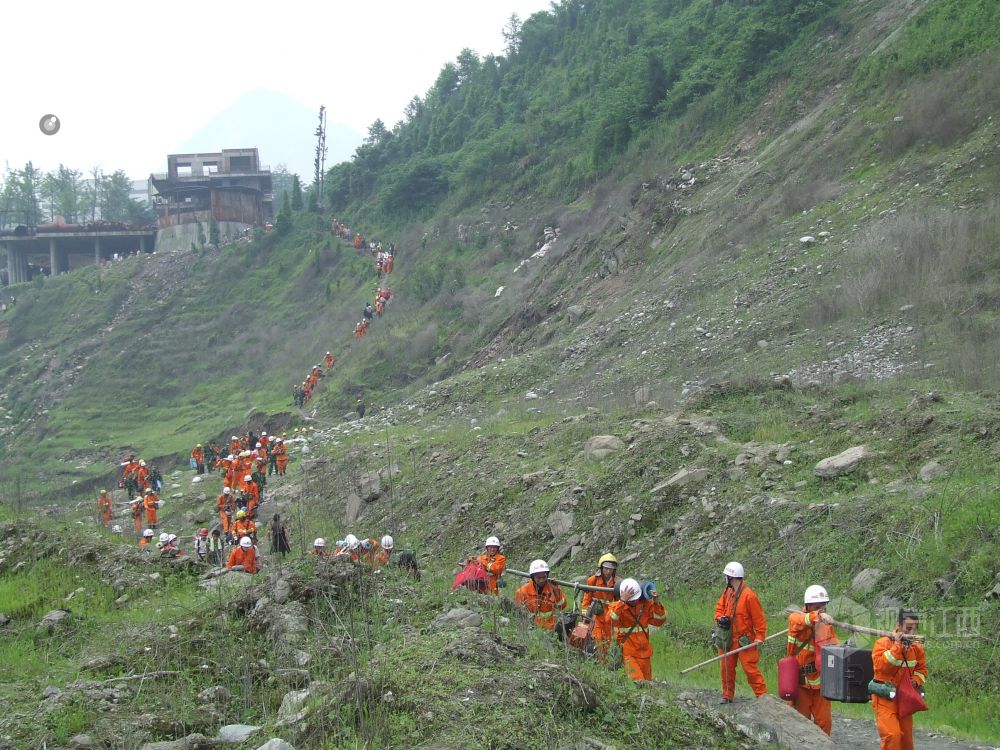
{"type": "Point", "coordinates": [808, 631]}
{"type": "Point", "coordinates": [630, 619]}
{"type": "Point", "coordinates": [494, 563]}
{"type": "Point", "coordinates": [740, 621]}
{"type": "Point", "coordinates": [384, 552]}
{"type": "Point", "coordinates": [595, 603]}
{"type": "Point", "coordinates": [319, 548]}
{"type": "Point", "coordinates": [541, 597]}
{"type": "Point", "coordinates": [899, 662]}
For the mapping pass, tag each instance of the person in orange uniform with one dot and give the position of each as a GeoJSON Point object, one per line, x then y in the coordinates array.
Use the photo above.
{"type": "Point", "coordinates": [630, 619]}
{"type": "Point", "coordinates": [104, 507]}
{"type": "Point", "coordinates": [251, 492]}
{"type": "Point", "coordinates": [245, 555]}
{"type": "Point", "coordinates": [384, 553]}
{"type": "Point", "coordinates": [225, 505]}
{"type": "Point", "coordinates": [147, 539]}
{"type": "Point", "coordinates": [243, 526]}
{"type": "Point", "coordinates": [495, 564]}
{"type": "Point", "coordinates": [319, 549]}
{"type": "Point", "coordinates": [198, 454]}
{"type": "Point", "coordinates": [740, 608]}
{"type": "Point", "coordinates": [350, 546]}
{"type": "Point", "coordinates": [606, 576]}
{"type": "Point", "coordinates": [540, 597]}
{"type": "Point", "coordinates": [142, 475]}
{"type": "Point", "coordinates": [895, 658]}
{"type": "Point", "coordinates": [328, 360]}
{"type": "Point", "coordinates": [808, 631]}
{"type": "Point", "coordinates": [149, 501]}
{"type": "Point", "coordinates": [281, 451]}
{"type": "Point", "coordinates": [135, 505]}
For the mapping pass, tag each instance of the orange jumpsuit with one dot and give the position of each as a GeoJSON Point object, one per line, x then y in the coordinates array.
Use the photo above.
{"type": "Point", "coordinates": [245, 557]}
{"type": "Point", "coordinates": [749, 620]}
{"type": "Point", "coordinates": [806, 635]}
{"type": "Point", "coordinates": [889, 659]}
{"type": "Point", "coordinates": [252, 491]}
{"type": "Point", "coordinates": [243, 527]}
{"type": "Point", "coordinates": [282, 453]}
{"type": "Point", "coordinates": [142, 477]}
{"type": "Point", "coordinates": [329, 360]}
{"type": "Point", "coordinates": [144, 542]}
{"type": "Point", "coordinates": [198, 454]}
{"type": "Point", "coordinates": [137, 515]}
{"type": "Point", "coordinates": [601, 634]}
{"type": "Point", "coordinates": [104, 507]}
{"type": "Point", "coordinates": [225, 506]}
{"type": "Point", "coordinates": [630, 624]}
{"type": "Point", "coordinates": [495, 566]}
{"type": "Point", "coordinates": [149, 503]}
{"type": "Point", "coordinates": [382, 557]}
{"type": "Point", "coordinates": [542, 603]}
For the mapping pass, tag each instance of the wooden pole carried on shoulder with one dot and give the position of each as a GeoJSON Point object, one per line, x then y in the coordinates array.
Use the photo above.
{"type": "Point", "coordinates": [730, 653]}
{"type": "Point", "coordinates": [568, 584]}
{"type": "Point", "coordinates": [860, 628]}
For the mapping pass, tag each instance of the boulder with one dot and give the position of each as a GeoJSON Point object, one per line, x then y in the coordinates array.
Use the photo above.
{"type": "Point", "coordinates": [275, 744]}
{"type": "Point", "coordinates": [370, 486]}
{"type": "Point", "coordinates": [458, 618]}
{"type": "Point", "coordinates": [575, 312]}
{"type": "Point", "coordinates": [353, 509]}
{"type": "Point", "coordinates": [866, 581]}
{"type": "Point", "coordinates": [236, 733]}
{"type": "Point", "coordinates": [560, 554]}
{"type": "Point", "coordinates": [680, 479]}
{"type": "Point", "coordinates": [81, 741]}
{"type": "Point", "coordinates": [842, 463]}
{"type": "Point", "coordinates": [932, 470]}
{"type": "Point", "coordinates": [601, 446]}
{"type": "Point", "coordinates": [53, 621]}
{"type": "Point", "coordinates": [228, 581]}
{"type": "Point", "coordinates": [769, 721]}
{"type": "Point", "coordinates": [560, 522]}
{"type": "Point", "coordinates": [292, 709]}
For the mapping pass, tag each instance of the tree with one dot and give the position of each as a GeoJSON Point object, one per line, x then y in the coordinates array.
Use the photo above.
{"type": "Point", "coordinates": [320, 161]}
{"type": "Point", "coordinates": [64, 189]}
{"type": "Point", "coordinates": [377, 133]}
{"type": "Point", "coordinates": [115, 196]}
{"type": "Point", "coordinates": [512, 34]}
{"type": "Point", "coordinates": [296, 201]}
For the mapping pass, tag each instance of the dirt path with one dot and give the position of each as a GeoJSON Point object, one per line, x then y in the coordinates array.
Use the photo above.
{"type": "Point", "coordinates": [860, 734]}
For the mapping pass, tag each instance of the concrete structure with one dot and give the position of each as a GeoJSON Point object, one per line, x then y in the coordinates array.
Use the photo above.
{"type": "Point", "coordinates": [229, 186]}
{"type": "Point", "coordinates": [54, 247]}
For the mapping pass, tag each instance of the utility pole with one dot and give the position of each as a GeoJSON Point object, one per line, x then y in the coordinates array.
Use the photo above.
{"type": "Point", "coordinates": [320, 161]}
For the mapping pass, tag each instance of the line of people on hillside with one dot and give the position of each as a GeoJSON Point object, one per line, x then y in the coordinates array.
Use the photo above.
{"type": "Point", "coordinates": [621, 611]}
{"type": "Point", "coordinates": [301, 394]}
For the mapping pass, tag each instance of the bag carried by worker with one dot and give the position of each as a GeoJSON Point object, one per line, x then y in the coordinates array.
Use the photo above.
{"type": "Point", "coordinates": [722, 633]}
{"type": "Point", "coordinates": [908, 700]}
{"type": "Point", "coordinates": [472, 576]}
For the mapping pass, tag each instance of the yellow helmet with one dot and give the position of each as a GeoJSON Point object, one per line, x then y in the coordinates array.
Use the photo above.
{"type": "Point", "coordinates": [607, 559]}
{"type": "Point", "coordinates": [241, 514]}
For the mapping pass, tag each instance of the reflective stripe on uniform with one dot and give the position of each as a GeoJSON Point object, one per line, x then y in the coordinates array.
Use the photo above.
{"type": "Point", "coordinates": [899, 662]}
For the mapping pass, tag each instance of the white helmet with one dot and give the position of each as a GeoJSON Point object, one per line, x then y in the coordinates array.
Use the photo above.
{"type": "Point", "coordinates": [734, 570]}
{"type": "Point", "coordinates": [386, 542]}
{"type": "Point", "coordinates": [248, 478]}
{"type": "Point", "coordinates": [148, 533]}
{"type": "Point", "coordinates": [234, 438]}
{"type": "Point", "coordinates": [630, 590]}
{"type": "Point", "coordinates": [226, 491]}
{"type": "Point", "coordinates": [246, 542]}
{"type": "Point", "coordinates": [491, 541]}
{"type": "Point", "coordinates": [229, 457]}
{"type": "Point", "coordinates": [351, 541]}
{"type": "Point", "coordinates": [171, 537]}
{"type": "Point", "coordinates": [816, 595]}
{"type": "Point", "coordinates": [164, 536]}
{"type": "Point", "coordinates": [538, 566]}
{"type": "Point", "coordinates": [263, 434]}
{"type": "Point", "coordinates": [258, 446]}
{"type": "Point", "coordinates": [320, 542]}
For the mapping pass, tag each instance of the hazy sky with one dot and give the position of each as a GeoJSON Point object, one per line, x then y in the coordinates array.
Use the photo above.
{"type": "Point", "coordinates": [131, 80]}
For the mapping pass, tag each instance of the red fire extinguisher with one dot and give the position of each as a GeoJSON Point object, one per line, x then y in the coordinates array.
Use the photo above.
{"type": "Point", "coordinates": [788, 678]}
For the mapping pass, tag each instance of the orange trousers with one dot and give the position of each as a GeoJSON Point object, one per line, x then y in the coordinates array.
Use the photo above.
{"type": "Point", "coordinates": [637, 667]}
{"type": "Point", "coordinates": [224, 519]}
{"type": "Point", "coordinates": [814, 706]}
{"type": "Point", "coordinates": [896, 733]}
{"type": "Point", "coordinates": [151, 517]}
{"type": "Point", "coordinates": [748, 659]}
{"type": "Point", "coordinates": [138, 524]}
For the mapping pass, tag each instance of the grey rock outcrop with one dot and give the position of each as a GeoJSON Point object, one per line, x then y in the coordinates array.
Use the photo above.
{"type": "Point", "coordinates": [602, 446]}
{"type": "Point", "coordinates": [842, 463]}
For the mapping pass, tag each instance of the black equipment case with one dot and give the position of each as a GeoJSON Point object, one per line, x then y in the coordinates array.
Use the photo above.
{"type": "Point", "coordinates": [846, 673]}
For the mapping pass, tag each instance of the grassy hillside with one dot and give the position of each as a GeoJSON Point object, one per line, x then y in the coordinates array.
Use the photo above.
{"type": "Point", "coordinates": [740, 237]}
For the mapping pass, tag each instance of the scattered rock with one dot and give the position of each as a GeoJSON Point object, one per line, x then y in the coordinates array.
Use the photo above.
{"type": "Point", "coordinates": [842, 463]}
{"type": "Point", "coordinates": [866, 580]}
{"type": "Point", "coordinates": [680, 479]}
{"type": "Point", "coordinates": [560, 522]}
{"type": "Point", "coordinates": [601, 446]}
{"type": "Point", "coordinates": [214, 694]}
{"type": "Point", "coordinates": [81, 741]}
{"type": "Point", "coordinates": [191, 742]}
{"type": "Point", "coordinates": [575, 312]}
{"type": "Point", "coordinates": [54, 620]}
{"type": "Point", "coordinates": [458, 618]}
{"type": "Point", "coordinates": [275, 744]}
{"type": "Point", "coordinates": [932, 470]}
{"type": "Point", "coordinates": [236, 733]}
{"type": "Point", "coordinates": [560, 554]}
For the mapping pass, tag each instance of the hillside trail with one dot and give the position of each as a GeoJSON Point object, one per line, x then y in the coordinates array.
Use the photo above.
{"type": "Point", "coordinates": [848, 733]}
